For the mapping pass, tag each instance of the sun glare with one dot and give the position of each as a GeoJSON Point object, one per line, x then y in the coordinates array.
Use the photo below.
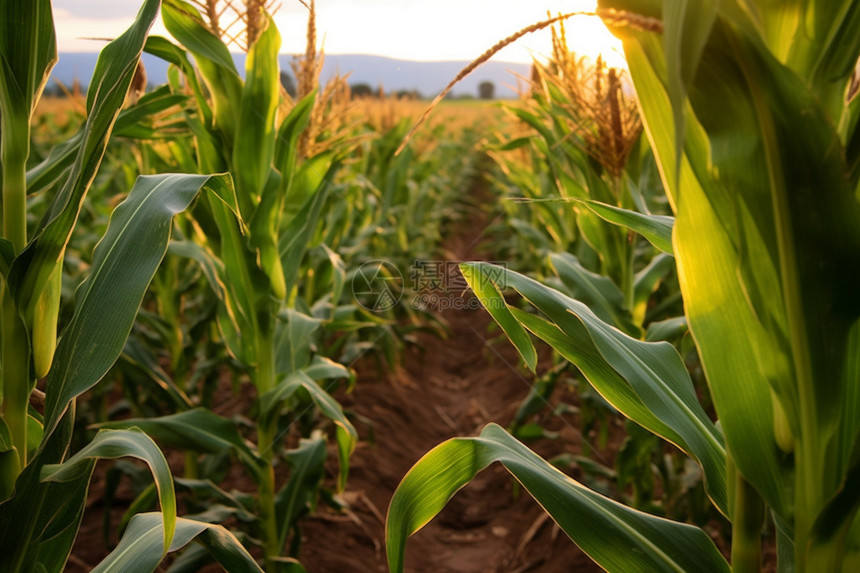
{"type": "Point", "coordinates": [588, 36]}
{"type": "Point", "coordinates": [421, 30]}
{"type": "Point", "coordinates": [446, 29]}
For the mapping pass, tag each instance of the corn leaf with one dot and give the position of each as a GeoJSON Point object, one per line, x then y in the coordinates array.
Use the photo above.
{"type": "Point", "coordinates": [255, 140]}
{"type": "Point", "coordinates": [170, 52]}
{"type": "Point", "coordinates": [646, 281]}
{"type": "Point", "coordinates": [10, 466]}
{"type": "Point", "coordinates": [273, 401]}
{"type": "Point", "coordinates": [61, 158]}
{"type": "Point", "coordinates": [139, 548]}
{"type": "Point", "coordinates": [215, 63]}
{"type": "Point", "coordinates": [598, 292]}
{"type": "Point", "coordinates": [197, 430]}
{"type": "Point", "coordinates": [144, 359]}
{"type": "Point", "coordinates": [616, 537]}
{"type": "Point", "coordinates": [286, 144]}
{"type": "Point", "coordinates": [307, 195]}
{"type": "Point", "coordinates": [124, 263]}
{"type": "Point", "coordinates": [28, 52]}
{"type": "Point", "coordinates": [38, 525]}
{"type": "Point", "coordinates": [485, 288]}
{"type": "Point", "coordinates": [764, 253]}
{"type": "Point", "coordinates": [298, 495]}
{"type": "Point", "coordinates": [755, 259]}
{"type": "Point", "coordinates": [294, 340]}
{"type": "Point", "coordinates": [110, 82]}
{"type": "Point", "coordinates": [111, 444]}
{"type": "Point", "coordinates": [656, 228]}
{"type": "Point", "coordinates": [265, 224]}
{"type": "Point", "coordinates": [648, 382]}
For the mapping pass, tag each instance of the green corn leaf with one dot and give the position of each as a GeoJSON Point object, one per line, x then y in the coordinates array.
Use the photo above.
{"type": "Point", "coordinates": [247, 286]}
{"type": "Point", "coordinates": [38, 525]}
{"type": "Point", "coordinates": [131, 122]}
{"type": "Point", "coordinates": [266, 221]}
{"type": "Point", "coordinates": [311, 176]}
{"type": "Point", "coordinates": [7, 256]}
{"type": "Point", "coordinates": [111, 444]}
{"type": "Point", "coordinates": [61, 519]}
{"type": "Point", "coordinates": [764, 253]}
{"type": "Point", "coordinates": [272, 402]}
{"type": "Point", "coordinates": [255, 138]}
{"type": "Point", "coordinates": [749, 419]}
{"type": "Point", "coordinates": [286, 144]}
{"type": "Point", "coordinates": [124, 263]}
{"type": "Point", "coordinates": [686, 28]}
{"type": "Point", "coordinates": [234, 501]}
{"type": "Point", "coordinates": [28, 52]}
{"type": "Point", "coordinates": [648, 382]}
{"type": "Point", "coordinates": [10, 465]}
{"type": "Point", "coordinates": [197, 430]}
{"type": "Point", "coordinates": [322, 368]}
{"type": "Point", "coordinates": [755, 259]}
{"type": "Point", "coordinates": [486, 289]}
{"type": "Point", "coordinates": [212, 268]}
{"type": "Point", "coordinates": [837, 517]}
{"type": "Point", "coordinates": [214, 61]}
{"type": "Point", "coordinates": [298, 495]}
{"type": "Point", "coordinates": [294, 340]}
{"type": "Point", "coordinates": [170, 52]}
{"type": "Point", "coordinates": [656, 228]}
{"type": "Point", "coordinates": [62, 157]}
{"type": "Point", "coordinates": [346, 435]}
{"type": "Point", "coordinates": [312, 184]}
{"type": "Point", "coordinates": [139, 549]}
{"type": "Point", "coordinates": [616, 537]}
{"type": "Point", "coordinates": [667, 330]}
{"type": "Point", "coordinates": [596, 291]}
{"type": "Point", "coordinates": [647, 280]}
{"type": "Point", "coordinates": [265, 234]}
{"type": "Point", "coordinates": [111, 79]}
{"type": "Point", "coordinates": [144, 358]}
{"type": "Point", "coordinates": [232, 315]}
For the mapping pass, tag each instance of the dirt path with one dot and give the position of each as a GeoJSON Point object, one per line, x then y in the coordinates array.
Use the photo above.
{"type": "Point", "coordinates": [452, 387]}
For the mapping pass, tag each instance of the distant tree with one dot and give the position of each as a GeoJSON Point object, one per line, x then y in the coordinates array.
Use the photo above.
{"type": "Point", "coordinates": [454, 96]}
{"type": "Point", "coordinates": [289, 83]}
{"type": "Point", "coordinates": [486, 90]}
{"type": "Point", "coordinates": [408, 94]}
{"type": "Point", "coordinates": [53, 89]}
{"type": "Point", "coordinates": [362, 90]}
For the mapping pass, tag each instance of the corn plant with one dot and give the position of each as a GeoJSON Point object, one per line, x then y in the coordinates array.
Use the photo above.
{"type": "Point", "coordinates": [745, 106]}
{"type": "Point", "coordinates": [42, 487]}
{"type": "Point", "coordinates": [251, 257]}
{"type": "Point", "coordinates": [577, 168]}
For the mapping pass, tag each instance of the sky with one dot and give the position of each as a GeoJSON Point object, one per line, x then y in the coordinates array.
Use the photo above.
{"type": "Point", "coordinates": [423, 30]}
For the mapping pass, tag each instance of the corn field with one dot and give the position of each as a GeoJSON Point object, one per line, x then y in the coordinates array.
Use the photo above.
{"type": "Point", "coordinates": [247, 331]}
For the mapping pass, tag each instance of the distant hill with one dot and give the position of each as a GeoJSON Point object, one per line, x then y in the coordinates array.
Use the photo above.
{"type": "Point", "coordinates": [428, 78]}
